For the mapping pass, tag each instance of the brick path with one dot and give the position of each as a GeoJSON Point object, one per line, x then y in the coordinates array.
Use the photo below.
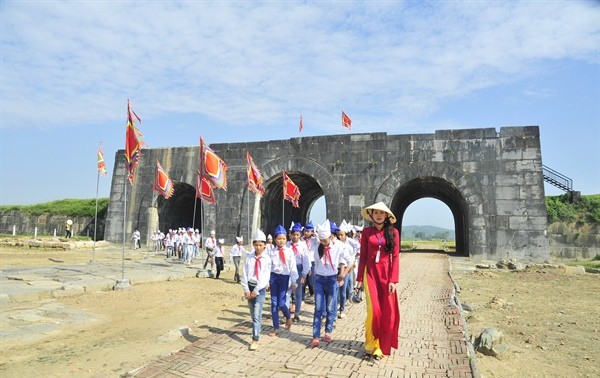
{"type": "Point", "coordinates": [431, 340]}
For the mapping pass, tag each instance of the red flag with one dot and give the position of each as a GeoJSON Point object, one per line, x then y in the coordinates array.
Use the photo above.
{"type": "Point", "coordinates": [291, 192]}
{"type": "Point", "coordinates": [101, 162]}
{"type": "Point", "coordinates": [162, 183]}
{"type": "Point", "coordinates": [204, 189]}
{"type": "Point", "coordinates": [255, 178]}
{"type": "Point", "coordinates": [346, 121]}
{"type": "Point", "coordinates": [301, 124]}
{"type": "Point", "coordinates": [133, 142]}
{"type": "Point", "coordinates": [214, 168]}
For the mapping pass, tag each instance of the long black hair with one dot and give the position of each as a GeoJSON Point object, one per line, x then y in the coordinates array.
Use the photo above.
{"type": "Point", "coordinates": [388, 233]}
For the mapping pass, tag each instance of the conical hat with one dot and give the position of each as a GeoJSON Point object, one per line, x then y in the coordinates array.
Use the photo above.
{"type": "Point", "coordinates": [378, 206]}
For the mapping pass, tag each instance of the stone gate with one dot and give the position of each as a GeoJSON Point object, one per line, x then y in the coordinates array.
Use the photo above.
{"type": "Point", "coordinates": [491, 181]}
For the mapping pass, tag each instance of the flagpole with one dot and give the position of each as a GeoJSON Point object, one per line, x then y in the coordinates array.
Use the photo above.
{"type": "Point", "coordinates": [95, 220]}
{"type": "Point", "coordinates": [123, 284]}
{"type": "Point", "coordinates": [249, 233]}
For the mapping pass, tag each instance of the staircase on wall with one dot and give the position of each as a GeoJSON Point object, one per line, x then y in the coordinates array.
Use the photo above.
{"type": "Point", "coordinates": [557, 179]}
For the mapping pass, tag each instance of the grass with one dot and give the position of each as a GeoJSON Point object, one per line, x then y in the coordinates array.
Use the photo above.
{"type": "Point", "coordinates": [409, 244]}
{"type": "Point", "coordinates": [590, 264]}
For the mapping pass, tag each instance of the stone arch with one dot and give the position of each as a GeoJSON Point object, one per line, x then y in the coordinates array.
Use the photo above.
{"type": "Point", "coordinates": [314, 181]}
{"type": "Point", "coordinates": [178, 211]}
{"type": "Point", "coordinates": [458, 190]}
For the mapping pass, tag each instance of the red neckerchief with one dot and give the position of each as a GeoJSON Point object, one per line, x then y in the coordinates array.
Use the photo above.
{"type": "Point", "coordinates": [295, 249]}
{"type": "Point", "coordinates": [327, 254]}
{"type": "Point", "coordinates": [282, 256]}
{"type": "Point", "coordinates": [257, 267]}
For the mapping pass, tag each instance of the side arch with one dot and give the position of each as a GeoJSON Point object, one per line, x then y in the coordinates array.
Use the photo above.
{"type": "Point", "coordinates": [458, 190]}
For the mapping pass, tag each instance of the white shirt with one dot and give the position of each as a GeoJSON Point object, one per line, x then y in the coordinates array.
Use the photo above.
{"type": "Point", "coordinates": [301, 256]}
{"type": "Point", "coordinates": [236, 251]}
{"type": "Point", "coordinates": [210, 243]}
{"type": "Point", "coordinates": [311, 245]}
{"type": "Point", "coordinates": [285, 267]}
{"type": "Point", "coordinates": [218, 251]}
{"type": "Point", "coordinates": [329, 267]}
{"type": "Point", "coordinates": [249, 275]}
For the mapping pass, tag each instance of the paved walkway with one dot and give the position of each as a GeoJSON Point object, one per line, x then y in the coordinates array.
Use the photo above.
{"type": "Point", "coordinates": [431, 342]}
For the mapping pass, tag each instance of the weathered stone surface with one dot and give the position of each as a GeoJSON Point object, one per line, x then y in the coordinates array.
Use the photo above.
{"type": "Point", "coordinates": [491, 342]}
{"type": "Point", "coordinates": [492, 182]}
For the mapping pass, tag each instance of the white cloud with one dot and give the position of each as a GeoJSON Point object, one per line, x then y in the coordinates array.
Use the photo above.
{"type": "Point", "coordinates": [257, 63]}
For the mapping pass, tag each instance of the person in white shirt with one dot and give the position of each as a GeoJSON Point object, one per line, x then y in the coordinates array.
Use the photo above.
{"type": "Point", "coordinates": [349, 253]}
{"type": "Point", "coordinates": [302, 265]}
{"type": "Point", "coordinates": [219, 251]}
{"type": "Point", "coordinates": [136, 239]}
{"type": "Point", "coordinates": [188, 241]}
{"type": "Point", "coordinates": [169, 240]}
{"type": "Point", "coordinates": [270, 245]}
{"type": "Point", "coordinates": [283, 271]}
{"type": "Point", "coordinates": [236, 255]}
{"type": "Point", "coordinates": [329, 259]}
{"type": "Point", "coordinates": [255, 282]}
{"type": "Point", "coordinates": [311, 245]}
{"type": "Point", "coordinates": [210, 245]}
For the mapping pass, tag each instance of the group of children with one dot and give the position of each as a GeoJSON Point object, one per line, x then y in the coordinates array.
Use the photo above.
{"type": "Point", "coordinates": [313, 258]}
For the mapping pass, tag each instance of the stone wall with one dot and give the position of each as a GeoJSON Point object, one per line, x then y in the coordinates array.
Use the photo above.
{"type": "Point", "coordinates": [25, 224]}
{"type": "Point", "coordinates": [491, 180]}
{"type": "Point", "coordinates": [573, 241]}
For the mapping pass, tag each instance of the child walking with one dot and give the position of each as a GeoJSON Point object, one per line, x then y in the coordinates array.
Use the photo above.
{"type": "Point", "coordinates": [255, 281]}
{"type": "Point", "coordinates": [283, 269]}
{"type": "Point", "coordinates": [329, 259]}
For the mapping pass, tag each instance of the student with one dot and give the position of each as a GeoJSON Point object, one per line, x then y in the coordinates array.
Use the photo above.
{"type": "Point", "coordinates": [378, 274]}
{"type": "Point", "coordinates": [188, 241]}
{"type": "Point", "coordinates": [283, 269]}
{"type": "Point", "coordinates": [328, 261]}
{"type": "Point", "coordinates": [219, 251]}
{"type": "Point", "coordinates": [343, 295]}
{"type": "Point", "coordinates": [302, 265]}
{"type": "Point", "coordinates": [311, 245]}
{"type": "Point", "coordinates": [210, 244]}
{"type": "Point", "coordinates": [236, 255]}
{"type": "Point", "coordinates": [255, 282]}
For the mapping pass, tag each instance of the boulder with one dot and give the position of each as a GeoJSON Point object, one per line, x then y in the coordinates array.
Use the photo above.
{"type": "Point", "coordinates": [491, 342]}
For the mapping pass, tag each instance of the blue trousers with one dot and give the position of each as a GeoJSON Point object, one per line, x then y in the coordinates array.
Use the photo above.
{"type": "Point", "coordinates": [299, 293]}
{"type": "Point", "coordinates": [256, 305]}
{"type": "Point", "coordinates": [279, 285]}
{"type": "Point", "coordinates": [343, 296]}
{"type": "Point", "coordinates": [326, 291]}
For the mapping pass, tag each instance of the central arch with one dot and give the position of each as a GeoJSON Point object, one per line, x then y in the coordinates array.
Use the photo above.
{"type": "Point", "coordinates": [178, 211]}
{"type": "Point", "coordinates": [313, 180]}
{"type": "Point", "coordinates": [440, 189]}
{"type": "Point", "coordinates": [275, 210]}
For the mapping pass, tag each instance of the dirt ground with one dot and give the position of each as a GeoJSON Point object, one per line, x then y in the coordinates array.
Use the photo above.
{"type": "Point", "coordinates": [549, 319]}
{"type": "Point", "coordinates": [124, 330]}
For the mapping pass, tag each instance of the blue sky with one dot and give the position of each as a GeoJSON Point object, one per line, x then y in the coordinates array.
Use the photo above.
{"type": "Point", "coordinates": [245, 71]}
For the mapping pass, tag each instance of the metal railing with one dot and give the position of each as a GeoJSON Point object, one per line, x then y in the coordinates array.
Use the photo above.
{"type": "Point", "coordinates": [557, 179]}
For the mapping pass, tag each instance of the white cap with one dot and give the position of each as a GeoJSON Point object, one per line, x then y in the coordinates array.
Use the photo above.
{"type": "Point", "coordinates": [270, 237]}
{"type": "Point", "coordinates": [221, 241]}
{"type": "Point", "coordinates": [239, 239]}
{"type": "Point", "coordinates": [259, 236]}
{"type": "Point", "coordinates": [345, 226]}
{"type": "Point", "coordinates": [212, 232]}
{"type": "Point", "coordinates": [358, 228]}
{"type": "Point", "coordinates": [323, 230]}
